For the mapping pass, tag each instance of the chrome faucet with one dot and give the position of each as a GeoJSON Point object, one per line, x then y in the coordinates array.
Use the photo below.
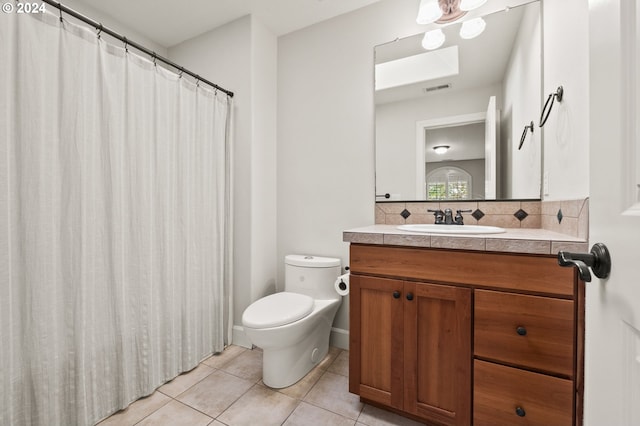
{"type": "Point", "coordinates": [446, 217]}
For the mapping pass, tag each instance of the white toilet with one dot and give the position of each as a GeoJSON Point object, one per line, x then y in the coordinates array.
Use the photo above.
{"type": "Point", "coordinates": [292, 327]}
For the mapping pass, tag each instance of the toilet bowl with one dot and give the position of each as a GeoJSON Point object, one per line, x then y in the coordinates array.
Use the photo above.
{"type": "Point", "coordinates": [293, 327]}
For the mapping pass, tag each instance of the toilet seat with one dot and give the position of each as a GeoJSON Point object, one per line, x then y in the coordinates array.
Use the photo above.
{"type": "Point", "coordinates": [277, 309]}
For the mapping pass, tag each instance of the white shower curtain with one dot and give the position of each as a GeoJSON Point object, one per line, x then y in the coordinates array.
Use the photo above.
{"type": "Point", "coordinates": [114, 223]}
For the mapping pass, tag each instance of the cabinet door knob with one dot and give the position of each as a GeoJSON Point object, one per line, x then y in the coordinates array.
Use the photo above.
{"type": "Point", "coordinates": [396, 294]}
{"type": "Point", "coordinates": [520, 412]}
{"type": "Point", "coordinates": [409, 296]}
{"type": "Point", "coordinates": [521, 331]}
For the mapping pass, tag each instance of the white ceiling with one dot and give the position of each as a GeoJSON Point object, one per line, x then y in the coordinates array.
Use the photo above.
{"type": "Point", "coordinates": [169, 22]}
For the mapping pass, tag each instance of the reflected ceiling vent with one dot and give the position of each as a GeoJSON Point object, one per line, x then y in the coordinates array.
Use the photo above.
{"type": "Point", "coordinates": [435, 88]}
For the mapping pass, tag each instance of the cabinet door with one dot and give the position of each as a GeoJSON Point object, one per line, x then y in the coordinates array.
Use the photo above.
{"type": "Point", "coordinates": [376, 358]}
{"type": "Point", "coordinates": [437, 349]}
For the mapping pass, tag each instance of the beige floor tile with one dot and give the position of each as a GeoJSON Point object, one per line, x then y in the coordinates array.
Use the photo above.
{"type": "Point", "coordinates": [332, 393]}
{"type": "Point", "coordinates": [221, 359]}
{"type": "Point", "coordinates": [247, 365]}
{"type": "Point", "coordinates": [260, 406]}
{"type": "Point", "coordinates": [373, 416]}
{"type": "Point", "coordinates": [215, 393]}
{"type": "Point", "coordinates": [176, 414]}
{"type": "Point", "coordinates": [302, 387]}
{"type": "Point", "coordinates": [307, 414]}
{"type": "Point", "coordinates": [341, 364]}
{"type": "Point", "coordinates": [137, 411]}
{"type": "Point", "coordinates": [186, 380]}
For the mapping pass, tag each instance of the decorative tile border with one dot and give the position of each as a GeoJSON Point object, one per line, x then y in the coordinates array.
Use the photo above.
{"type": "Point", "coordinates": [506, 214]}
{"type": "Point", "coordinates": [570, 217]}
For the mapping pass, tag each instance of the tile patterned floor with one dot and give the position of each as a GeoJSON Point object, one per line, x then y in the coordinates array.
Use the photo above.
{"type": "Point", "coordinates": [227, 389]}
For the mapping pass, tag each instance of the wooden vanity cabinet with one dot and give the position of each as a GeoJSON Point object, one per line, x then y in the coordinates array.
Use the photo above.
{"type": "Point", "coordinates": [454, 337]}
{"type": "Point", "coordinates": [411, 346]}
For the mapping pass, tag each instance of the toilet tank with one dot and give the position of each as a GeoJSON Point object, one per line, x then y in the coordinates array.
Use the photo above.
{"type": "Point", "coordinates": [311, 275]}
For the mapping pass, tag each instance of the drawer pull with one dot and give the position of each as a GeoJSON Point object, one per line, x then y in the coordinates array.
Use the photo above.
{"type": "Point", "coordinates": [520, 412]}
{"type": "Point", "coordinates": [409, 296]}
{"type": "Point", "coordinates": [521, 331]}
{"type": "Point", "coordinates": [396, 294]}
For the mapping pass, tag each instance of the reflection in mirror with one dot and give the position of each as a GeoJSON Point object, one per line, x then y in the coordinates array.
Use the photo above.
{"type": "Point", "coordinates": [473, 96]}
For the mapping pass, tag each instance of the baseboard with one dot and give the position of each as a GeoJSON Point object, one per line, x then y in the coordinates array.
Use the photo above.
{"type": "Point", "coordinates": [240, 338]}
{"type": "Point", "coordinates": [339, 338]}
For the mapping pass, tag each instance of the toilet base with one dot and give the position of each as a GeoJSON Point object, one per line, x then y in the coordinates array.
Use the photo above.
{"type": "Point", "coordinates": [282, 367]}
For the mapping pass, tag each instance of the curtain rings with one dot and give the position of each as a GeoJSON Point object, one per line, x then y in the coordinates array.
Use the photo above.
{"type": "Point", "coordinates": [524, 134]}
{"type": "Point", "coordinates": [155, 58]}
{"type": "Point", "coordinates": [552, 97]}
{"type": "Point", "coordinates": [126, 44]}
{"type": "Point", "coordinates": [181, 72]}
{"type": "Point", "coordinates": [99, 28]}
{"type": "Point", "coordinates": [60, 10]}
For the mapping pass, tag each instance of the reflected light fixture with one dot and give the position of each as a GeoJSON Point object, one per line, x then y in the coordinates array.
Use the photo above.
{"type": "Point", "coordinates": [472, 28]}
{"type": "Point", "coordinates": [433, 39]}
{"type": "Point", "coordinates": [471, 4]}
{"type": "Point", "coordinates": [428, 12]}
{"type": "Point", "coordinates": [441, 149]}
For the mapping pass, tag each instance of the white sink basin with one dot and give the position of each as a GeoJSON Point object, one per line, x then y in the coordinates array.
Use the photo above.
{"type": "Point", "coordinates": [430, 228]}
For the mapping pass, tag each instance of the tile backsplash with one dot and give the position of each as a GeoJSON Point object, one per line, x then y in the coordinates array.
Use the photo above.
{"type": "Point", "coordinates": [570, 217]}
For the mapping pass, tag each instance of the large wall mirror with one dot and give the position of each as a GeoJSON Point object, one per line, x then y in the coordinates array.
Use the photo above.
{"type": "Point", "coordinates": [473, 98]}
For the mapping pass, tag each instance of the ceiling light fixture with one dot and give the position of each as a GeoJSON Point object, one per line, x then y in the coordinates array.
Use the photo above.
{"type": "Point", "coordinates": [433, 39]}
{"type": "Point", "coordinates": [471, 4]}
{"type": "Point", "coordinates": [472, 28]}
{"type": "Point", "coordinates": [441, 149]}
{"type": "Point", "coordinates": [428, 12]}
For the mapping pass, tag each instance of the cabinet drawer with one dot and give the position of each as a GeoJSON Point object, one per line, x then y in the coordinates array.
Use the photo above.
{"type": "Point", "coordinates": [537, 274]}
{"type": "Point", "coordinates": [510, 396]}
{"type": "Point", "coordinates": [529, 331]}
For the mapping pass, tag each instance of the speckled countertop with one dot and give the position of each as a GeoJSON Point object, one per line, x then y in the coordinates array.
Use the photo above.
{"type": "Point", "coordinates": [514, 240]}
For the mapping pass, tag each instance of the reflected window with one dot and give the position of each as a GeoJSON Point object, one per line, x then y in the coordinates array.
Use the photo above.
{"type": "Point", "coordinates": [449, 183]}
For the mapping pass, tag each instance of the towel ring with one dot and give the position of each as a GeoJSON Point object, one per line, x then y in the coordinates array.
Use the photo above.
{"type": "Point", "coordinates": [552, 97]}
{"type": "Point", "coordinates": [524, 134]}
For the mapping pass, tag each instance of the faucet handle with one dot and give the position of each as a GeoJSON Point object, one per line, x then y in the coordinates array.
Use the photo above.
{"type": "Point", "coordinates": [459, 219]}
{"type": "Point", "coordinates": [439, 215]}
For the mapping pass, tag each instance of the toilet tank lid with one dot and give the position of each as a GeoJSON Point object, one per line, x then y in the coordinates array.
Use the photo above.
{"type": "Point", "coordinates": [311, 261]}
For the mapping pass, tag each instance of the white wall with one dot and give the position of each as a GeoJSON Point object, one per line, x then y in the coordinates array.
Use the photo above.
{"type": "Point", "coordinates": [566, 133]}
{"type": "Point", "coordinates": [522, 93]}
{"type": "Point", "coordinates": [395, 127]}
{"type": "Point", "coordinates": [263, 162]}
{"type": "Point", "coordinates": [241, 56]}
{"type": "Point", "coordinates": [326, 129]}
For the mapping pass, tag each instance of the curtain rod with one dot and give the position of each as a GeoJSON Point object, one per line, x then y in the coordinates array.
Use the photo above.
{"type": "Point", "coordinates": [98, 26]}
